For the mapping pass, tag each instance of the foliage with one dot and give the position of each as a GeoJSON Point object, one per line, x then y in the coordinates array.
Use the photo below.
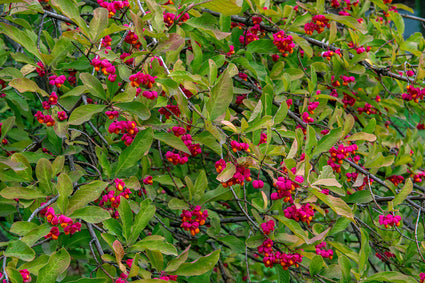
{"type": "Point", "coordinates": [218, 140]}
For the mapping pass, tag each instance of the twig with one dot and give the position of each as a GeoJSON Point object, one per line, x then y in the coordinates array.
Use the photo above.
{"type": "Point", "coordinates": [416, 235]}
{"type": "Point", "coordinates": [96, 240]}
{"type": "Point", "coordinates": [99, 265]}
{"type": "Point", "coordinates": [4, 269]}
{"type": "Point", "coordinates": [40, 30]}
{"type": "Point", "coordinates": [37, 210]}
{"type": "Point", "coordinates": [243, 210]}
{"type": "Point", "coordinates": [246, 260]}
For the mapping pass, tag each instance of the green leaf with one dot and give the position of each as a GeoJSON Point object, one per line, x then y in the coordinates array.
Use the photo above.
{"type": "Point", "coordinates": [136, 108]}
{"type": "Point", "coordinates": [316, 265]}
{"type": "Point", "coordinates": [65, 189]}
{"type": "Point", "coordinates": [154, 243]}
{"type": "Point", "coordinates": [58, 264]}
{"type": "Point", "coordinates": [90, 280]}
{"type": "Point", "coordinates": [227, 173]}
{"type": "Point", "coordinates": [398, 21]}
{"type": "Point", "coordinates": [402, 195]}
{"type": "Point", "coordinates": [335, 203]}
{"type": "Point", "coordinates": [135, 151]}
{"type": "Point", "coordinates": [364, 251]}
{"type": "Point", "coordinates": [221, 94]}
{"type": "Point", "coordinates": [294, 74]}
{"type": "Point", "coordinates": [14, 275]}
{"type": "Point", "coordinates": [24, 39]}
{"type": "Point", "coordinates": [199, 266]}
{"type": "Point", "coordinates": [176, 203]}
{"type": "Point", "coordinates": [281, 113]}
{"type": "Point", "coordinates": [361, 136]}
{"type": "Point", "coordinates": [35, 234]}
{"type": "Point", "coordinates": [348, 21]}
{"type": "Point", "coordinates": [150, 281]}
{"type": "Point", "coordinates": [20, 250]}
{"type": "Point", "coordinates": [346, 251]}
{"type": "Point", "coordinates": [98, 24]}
{"type": "Point", "coordinates": [234, 243]}
{"type": "Point", "coordinates": [390, 276]}
{"type": "Point", "coordinates": [359, 197]}
{"type": "Point", "coordinates": [172, 141]}
{"type": "Point", "coordinates": [22, 227]}
{"type": "Point", "coordinates": [225, 7]}
{"type": "Point", "coordinates": [26, 85]}
{"type": "Point", "coordinates": [262, 46]}
{"type": "Point", "coordinates": [70, 9]}
{"type": "Point", "coordinates": [156, 259]}
{"type": "Point", "coordinates": [201, 184]}
{"type": "Point", "coordinates": [207, 139]}
{"type": "Point", "coordinates": [327, 142]}
{"type": "Point", "coordinates": [84, 113]}
{"type": "Point", "coordinates": [282, 275]}
{"type": "Point", "coordinates": [91, 214]}
{"type": "Point", "coordinates": [141, 220]}
{"type": "Point", "coordinates": [35, 265]}
{"type": "Point", "coordinates": [6, 126]}
{"type": "Point", "coordinates": [293, 226]}
{"type": "Point", "coordinates": [310, 141]}
{"type": "Point", "coordinates": [44, 173]}
{"type": "Point", "coordinates": [345, 264]}
{"type": "Point", "coordinates": [21, 193]}
{"type": "Point", "coordinates": [93, 84]}
{"type": "Point", "coordinates": [86, 194]}
{"type": "Point", "coordinates": [76, 91]}
{"type": "Point", "coordinates": [175, 263]}
{"type": "Point", "coordinates": [303, 44]}
{"type": "Point", "coordinates": [126, 216]}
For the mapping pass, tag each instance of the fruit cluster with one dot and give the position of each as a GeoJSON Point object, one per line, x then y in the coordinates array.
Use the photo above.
{"type": "Point", "coordinates": [68, 225]}
{"type": "Point", "coordinates": [338, 154]}
{"type": "Point", "coordinates": [413, 93]}
{"type": "Point", "coordinates": [53, 100]}
{"type": "Point", "coordinates": [385, 256]}
{"type": "Point", "coordinates": [396, 179]}
{"type": "Point", "coordinates": [268, 227]}
{"type": "Point", "coordinates": [111, 197]}
{"type": "Point", "coordinates": [271, 257]}
{"type": "Point", "coordinates": [169, 110]}
{"type": "Point", "coordinates": [177, 158]}
{"type": "Point", "coordinates": [242, 174]}
{"type": "Point", "coordinates": [304, 213]}
{"type": "Point", "coordinates": [239, 146]}
{"type": "Point", "coordinates": [57, 81]}
{"type": "Point", "coordinates": [258, 184]}
{"type": "Point", "coordinates": [320, 250]}
{"type": "Point", "coordinates": [306, 118]}
{"type": "Point", "coordinates": [284, 43]}
{"type": "Point", "coordinates": [389, 220]}
{"type": "Point", "coordinates": [192, 219]}
{"type": "Point", "coordinates": [113, 6]}
{"type": "Point", "coordinates": [127, 128]}
{"type": "Point", "coordinates": [285, 187]}
{"type": "Point", "coordinates": [368, 109]}
{"type": "Point", "coordinates": [106, 67]}
{"type": "Point", "coordinates": [318, 23]}
{"type": "Point", "coordinates": [40, 69]}
{"type": "Point", "coordinates": [44, 119]}
{"type": "Point", "coordinates": [132, 39]}
{"type": "Point", "coordinates": [329, 54]}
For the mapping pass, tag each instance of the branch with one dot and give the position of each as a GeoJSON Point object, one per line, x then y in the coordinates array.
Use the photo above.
{"type": "Point", "coordinates": [248, 22]}
{"type": "Point", "coordinates": [37, 210]}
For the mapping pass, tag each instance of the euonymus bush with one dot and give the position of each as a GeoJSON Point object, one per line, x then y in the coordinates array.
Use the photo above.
{"type": "Point", "coordinates": [211, 141]}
